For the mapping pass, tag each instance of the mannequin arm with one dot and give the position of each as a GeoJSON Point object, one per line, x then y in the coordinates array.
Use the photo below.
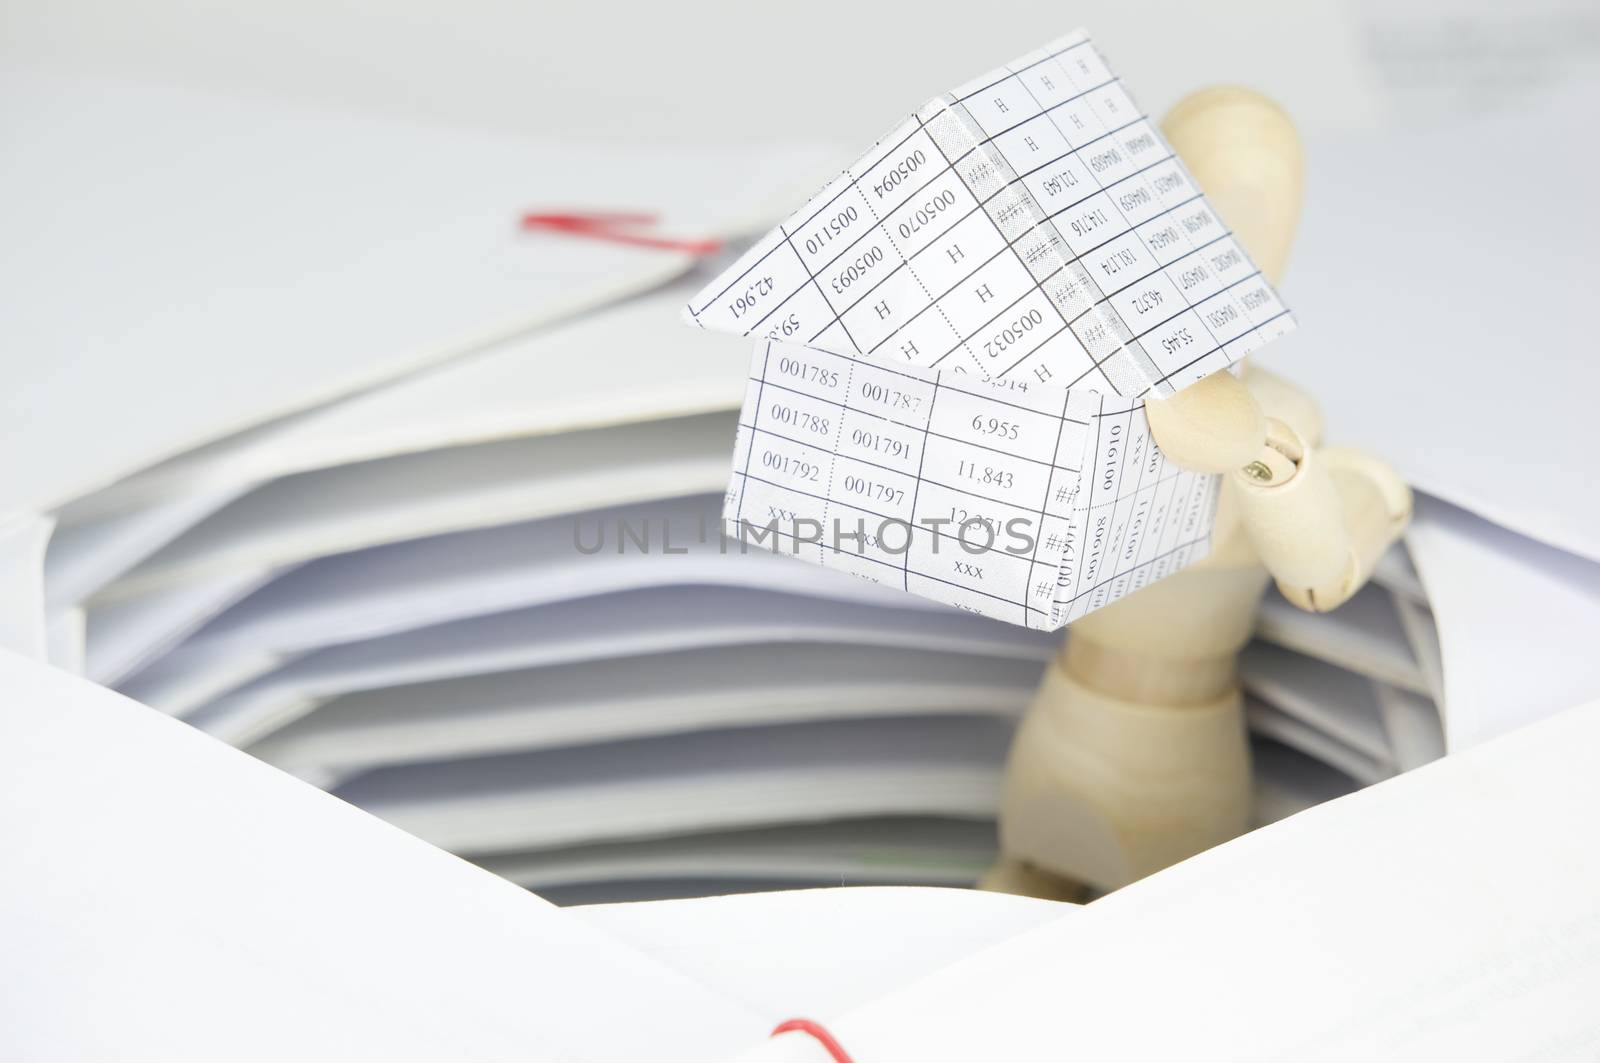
{"type": "Point", "coordinates": [1133, 754]}
{"type": "Point", "coordinates": [1318, 521]}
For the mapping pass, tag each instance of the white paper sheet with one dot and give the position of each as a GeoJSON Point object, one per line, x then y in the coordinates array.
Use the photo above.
{"type": "Point", "coordinates": [22, 593]}
{"type": "Point", "coordinates": [625, 698]}
{"type": "Point", "coordinates": [188, 676]}
{"type": "Point", "coordinates": [939, 766]}
{"type": "Point", "coordinates": [1472, 879]}
{"type": "Point", "coordinates": [124, 637]}
{"type": "Point", "coordinates": [903, 849]}
{"type": "Point", "coordinates": [1423, 635]}
{"type": "Point", "coordinates": [1416, 375]}
{"type": "Point", "coordinates": [412, 496]}
{"type": "Point", "coordinates": [214, 662]}
{"type": "Point", "coordinates": [849, 852]}
{"type": "Point", "coordinates": [785, 953]}
{"type": "Point", "coordinates": [239, 889]}
{"type": "Point", "coordinates": [1333, 700]}
{"type": "Point", "coordinates": [1363, 635]}
{"type": "Point", "coordinates": [85, 556]}
{"type": "Point", "coordinates": [1518, 622]}
{"type": "Point", "coordinates": [1274, 723]}
{"type": "Point", "coordinates": [367, 250]}
{"type": "Point", "coordinates": [67, 637]}
{"type": "Point", "coordinates": [405, 586]}
{"type": "Point", "coordinates": [652, 620]}
{"type": "Point", "coordinates": [538, 383]}
{"type": "Point", "coordinates": [1395, 573]}
{"type": "Point", "coordinates": [1416, 731]}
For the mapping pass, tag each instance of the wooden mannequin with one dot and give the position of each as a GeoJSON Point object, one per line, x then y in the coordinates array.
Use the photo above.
{"type": "Point", "coordinates": [1133, 754]}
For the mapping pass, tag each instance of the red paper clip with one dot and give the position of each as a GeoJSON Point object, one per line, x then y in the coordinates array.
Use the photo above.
{"type": "Point", "coordinates": [822, 1036]}
{"type": "Point", "coordinates": [618, 228]}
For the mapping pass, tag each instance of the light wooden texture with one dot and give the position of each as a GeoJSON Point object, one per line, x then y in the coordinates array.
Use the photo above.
{"type": "Point", "coordinates": [1212, 426]}
{"type": "Point", "coordinates": [1133, 754]}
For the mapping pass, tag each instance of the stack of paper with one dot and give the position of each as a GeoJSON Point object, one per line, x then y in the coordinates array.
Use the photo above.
{"type": "Point", "coordinates": [184, 887]}
{"type": "Point", "coordinates": [321, 474]}
{"type": "Point", "coordinates": [348, 472]}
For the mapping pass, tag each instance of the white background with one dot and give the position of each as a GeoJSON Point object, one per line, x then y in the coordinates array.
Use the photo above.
{"type": "Point", "coordinates": [839, 71]}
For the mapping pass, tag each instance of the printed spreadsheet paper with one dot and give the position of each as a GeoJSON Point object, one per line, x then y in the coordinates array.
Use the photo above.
{"type": "Point", "coordinates": [1029, 506]}
{"type": "Point", "coordinates": [1033, 224]}
{"type": "Point", "coordinates": [1028, 259]}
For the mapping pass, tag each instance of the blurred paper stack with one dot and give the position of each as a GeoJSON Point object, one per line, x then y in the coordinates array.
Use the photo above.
{"type": "Point", "coordinates": [311, 447]}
